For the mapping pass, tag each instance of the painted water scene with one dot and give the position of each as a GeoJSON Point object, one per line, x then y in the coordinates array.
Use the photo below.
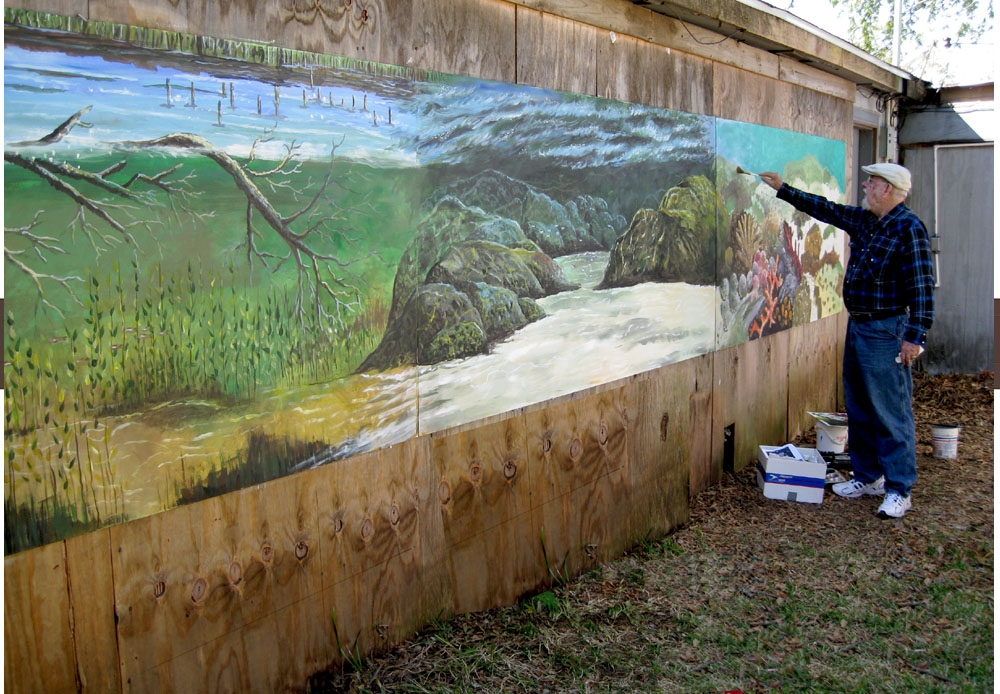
{"type": "Point", "coordinates": [219, 272]}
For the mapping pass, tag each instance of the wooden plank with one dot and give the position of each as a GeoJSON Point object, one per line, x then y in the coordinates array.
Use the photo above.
{"type": "Point", "coordinates": [841, 336]}
{"type": "Point", "coordinates": [459, 37]}
{"type": "Point", "coordinates": [412, 588]}
{"type": "Point", "coordinates": [187, 577]}
{"type": "Point", "coordinates": [630, 69]}
{"type": "Point", "coordinates": [483, 480]}
{"type": "Point", "coordinates": [824, 115]}
{"type": "Point", "coordinates": [800, 74]}
{"type": "Point", "coordinates": [383, 569]}
{"type": "Point", "coordinates": [624, 17]}
{"type": "Point", "coordinates": [484, 496]}
{"type": "Point", "coordinates": [572, 444]}
{"type": "Point", "coordinates": [38, 640]}
{"type": "Point", "coordinates": [578, 451]}
{"type": "Point", "coordinates": [667, 426]}
{"type": "Point", "coordinates": [812, 372]}
{"type": "Point", "coordinates": [751, 392]}
{"type": "Point", "coordinates": [556, 53]}
{"type": "Point", "coordinates": [168, 598]}
{"type": "Point", "coordinates": [703, 468]}
{"type": "Point", "coordinates": [92, 595]}
{"type": "Point", "coordinates": [156, 14]}
{"type": "Point", "coordinates": [67, 8]}
{"type": "Point", "coordinates": [731, 15]}
{"type": "Point", "coordinates": [743, 96]}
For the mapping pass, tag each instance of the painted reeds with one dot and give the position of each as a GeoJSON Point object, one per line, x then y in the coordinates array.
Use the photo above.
{"type": "Point", "coordinates": [149, 336]}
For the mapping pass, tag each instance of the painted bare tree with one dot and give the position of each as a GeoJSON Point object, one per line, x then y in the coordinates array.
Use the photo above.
{"type": "Point", "coordinates": [326, 288]}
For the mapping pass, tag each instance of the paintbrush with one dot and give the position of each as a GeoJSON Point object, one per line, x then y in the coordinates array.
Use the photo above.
{"type": "Point", "coordinates": [741, 170]}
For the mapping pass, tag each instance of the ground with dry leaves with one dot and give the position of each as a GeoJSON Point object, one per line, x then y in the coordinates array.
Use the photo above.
{"type": "Point", "coordinates": [756, 595]}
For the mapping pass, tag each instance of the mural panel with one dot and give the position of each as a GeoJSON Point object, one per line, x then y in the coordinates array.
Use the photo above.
{"type": "Point", "coordinates": [219, 272]}
{"type": "Point", "coordinates": [777, 266]}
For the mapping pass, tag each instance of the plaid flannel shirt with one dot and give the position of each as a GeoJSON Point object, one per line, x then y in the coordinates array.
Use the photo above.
{"type": "Point", "coordinates": [890, 268]}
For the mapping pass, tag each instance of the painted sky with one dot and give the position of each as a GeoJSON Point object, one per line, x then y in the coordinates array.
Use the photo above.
{"type": "Point", "coordinates": [758, 148]}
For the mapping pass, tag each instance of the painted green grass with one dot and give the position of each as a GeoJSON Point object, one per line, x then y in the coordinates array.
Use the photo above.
{"type": "Point", "coordinates": [146, 339]}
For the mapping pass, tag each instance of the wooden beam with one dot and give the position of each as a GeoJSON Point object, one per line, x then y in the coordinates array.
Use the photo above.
{"type": "Point", "coordinates": [623, 17]}
{"type": "Point", "coordinates": [37, 636]}
{"type": "Point", "coordinates": [730, 15]}
{"type": "Point", "coordinates": [92, 595]}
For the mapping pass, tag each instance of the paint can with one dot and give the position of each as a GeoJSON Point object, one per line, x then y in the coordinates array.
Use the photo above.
{"type": "Point", "coordinates": [830, 438]}
{"type": "Point", "coordinates": [945, 440]}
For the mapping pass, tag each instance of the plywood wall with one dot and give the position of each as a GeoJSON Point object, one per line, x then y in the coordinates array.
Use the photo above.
{"type": "Point", "coordinates": [250, 591]}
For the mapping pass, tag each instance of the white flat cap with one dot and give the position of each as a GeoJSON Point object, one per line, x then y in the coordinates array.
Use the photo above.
{"type": "Point", "coordinates": [897, 175]}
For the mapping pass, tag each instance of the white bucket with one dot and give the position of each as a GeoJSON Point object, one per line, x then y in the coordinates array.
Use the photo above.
{"type": "Point", "coordinates": [830, 438]}
{"type": "Point", "coordinates": [945, 440]}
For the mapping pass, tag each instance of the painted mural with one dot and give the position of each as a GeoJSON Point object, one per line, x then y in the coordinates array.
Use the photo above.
{"type": "Point", "coordinates": [219, 272]}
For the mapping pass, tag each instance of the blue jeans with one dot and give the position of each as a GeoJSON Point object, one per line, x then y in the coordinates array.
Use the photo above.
{"type": "Point", "coordinates": [881, 434]}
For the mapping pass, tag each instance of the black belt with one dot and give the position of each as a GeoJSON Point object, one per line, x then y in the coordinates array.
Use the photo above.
{"type": "Point", "coordinates": [867, 317]}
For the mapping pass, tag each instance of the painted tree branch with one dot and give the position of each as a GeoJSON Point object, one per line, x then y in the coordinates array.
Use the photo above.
{"type": "Point", "coordinates": [313, 266]}
{"type": "Point", "coordinates": [308, 232]}
{"type": "Point", "coordinates": [61, 131]}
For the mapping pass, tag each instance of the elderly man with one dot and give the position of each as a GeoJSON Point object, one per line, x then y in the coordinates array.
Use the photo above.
{"type": "Point", "coordinates": [888, 292]}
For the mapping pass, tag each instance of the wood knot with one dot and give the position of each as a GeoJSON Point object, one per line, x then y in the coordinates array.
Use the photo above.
{"type": "Point", "coordinates": [367, 529]}
{"type": "Point", "coordinates": [382, 630]}
{"type": "Point", "coordinates": [199, 590]}
{"type": "Point", "coordinates": [664, 420]}
{"type": "Point", "coordinates": [301, 550]}
{"type": "Point", "coordinates": [347, 3]}
{"type": "Point", "coordinates": [364, 16]}
{"type": "Point", "coordinates": [603, 434]}
{"type": "Point", "coordinates": [444, 492]}
{"type": "Point", "coordinates": [590, 550]}
{"type": "Point", "coordinates": [575, 449]}
{"type": "Point", "coordinates": [235, 572]}
{"type": "Point", "coordinates": [510, 469]}
{"type": "Point", "coordinates": [476, 472]}
{"type": "Point", "coordinates": [266, 554]}
{"type": "Point", "coordinates": [546, 445]}
{"type": "Point", "coordinates": [159, 588]}
{"type": "Point", "coordinates": [338, 525]}
{"type": "Point", "coordinates": [394, 514]}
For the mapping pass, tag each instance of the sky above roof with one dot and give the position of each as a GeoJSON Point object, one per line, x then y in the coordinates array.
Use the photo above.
{"type": "Point", "coordinates": [959, 64]}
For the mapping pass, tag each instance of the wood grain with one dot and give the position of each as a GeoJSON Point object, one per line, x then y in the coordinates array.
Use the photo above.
{"type": "Point", "coordinates": [669, 443]}
{"type": "Point", "coordinates": [751, 391]}
{"type": "Point", "coordinates": [92, 595]}
{"type": "Point", "coordinates": [169, 15]}
{"type": "Point", "coordinates": [383, 569]}
{"type": "Point", "coordinates": [37, 637]}
{"type": "Point", "coordinates": [743, 96]}
{"type": "Point", "coordinates": [68, 8]}
{"type": "Point", "coordinates": [484, 496]}
{"type": "Point", "coordinates": [630, 69]}
{"type": "Point", "coordinates": [796, 72]}
{"type": "Point", "coordinates": [556, 53]}
{"type": "Point", "coordinates": [624, 17]}
{"type": "Point", "coordinates": [460, 37]}
{"type": "Point", "coordinates": [578, 452]}
{"type": "Point", "coordinates": [187, 577]}
{"type": "Point", "coordinates": [812, 373]}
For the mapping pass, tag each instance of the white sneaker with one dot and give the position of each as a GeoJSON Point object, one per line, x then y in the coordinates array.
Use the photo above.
{"type": "Point", "coordinates": [855, 489]}
{"type": "Point", "coordinates": [894, 506]}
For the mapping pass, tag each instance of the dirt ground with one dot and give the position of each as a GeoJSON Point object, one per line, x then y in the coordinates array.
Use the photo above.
{"type": "Point", "coordinates": [756, 595]}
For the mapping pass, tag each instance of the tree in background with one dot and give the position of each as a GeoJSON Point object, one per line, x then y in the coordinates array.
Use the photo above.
{"type": "Point", "coordinates": [927, 27]}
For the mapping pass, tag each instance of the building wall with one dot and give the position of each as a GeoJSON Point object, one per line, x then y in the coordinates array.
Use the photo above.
{"type": "Point", "coordinates": [250, 591]}
{"type": "Point", "coordinates": [953, 195]}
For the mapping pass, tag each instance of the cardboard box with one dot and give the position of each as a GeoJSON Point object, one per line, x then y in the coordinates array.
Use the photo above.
{"type": "Point", "coordinates": [785, 478]}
